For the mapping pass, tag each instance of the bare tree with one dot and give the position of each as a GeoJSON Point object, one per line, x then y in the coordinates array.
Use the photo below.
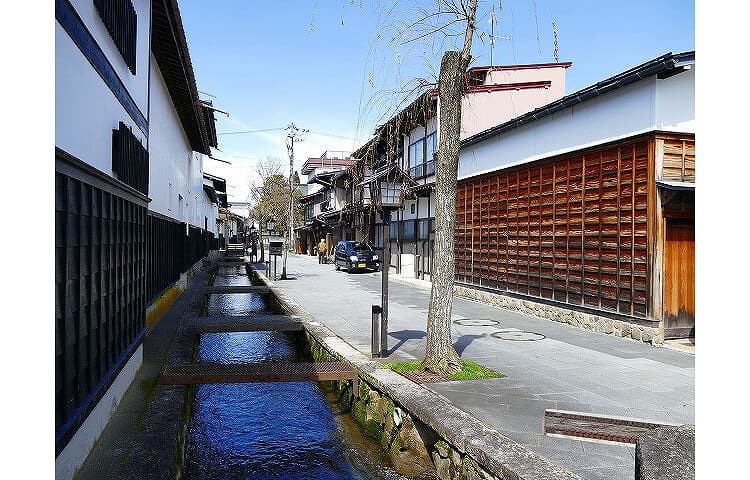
{"type": "Point", "coordinates": [269, 192]}
{"type": "Point", "coordinates": [440, 355]}
{"type": "Point", "coordinates": [439, 23]}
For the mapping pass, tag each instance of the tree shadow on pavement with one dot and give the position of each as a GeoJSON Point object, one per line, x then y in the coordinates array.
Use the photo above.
{"type": "Point", "coordinates": [463, 342]}
{"type": "Point", "coordinates": [403, 335]}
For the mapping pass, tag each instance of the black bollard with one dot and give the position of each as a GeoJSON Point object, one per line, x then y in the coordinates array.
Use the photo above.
{"type": "Point", "coordinates": [375, 347]}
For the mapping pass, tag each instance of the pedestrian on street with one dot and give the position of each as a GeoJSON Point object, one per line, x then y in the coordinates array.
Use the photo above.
{"type": "Point", "coordinates": [322, 251]}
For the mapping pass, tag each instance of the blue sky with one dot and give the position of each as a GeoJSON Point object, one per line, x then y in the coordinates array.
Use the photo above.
{"type": "Point", "coordinates": [332, 67]}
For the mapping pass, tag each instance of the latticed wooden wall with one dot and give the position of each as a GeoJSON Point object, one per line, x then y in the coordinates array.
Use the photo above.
{"type": "Point", "coordinates": [100, 292]}
{"type": "Point", "coordinates": [571, 229]}
{"type": "Point", "coordinates": [678, 157]}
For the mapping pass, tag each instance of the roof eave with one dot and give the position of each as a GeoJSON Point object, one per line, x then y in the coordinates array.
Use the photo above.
{"type": "Point", "coordinates": [653, 67]}
{"type": "Point", "coordinates": [169, 47]}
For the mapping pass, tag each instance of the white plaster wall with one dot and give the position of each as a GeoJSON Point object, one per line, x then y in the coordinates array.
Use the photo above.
{"type": "Point", "coordinates": [483, 110]}
{"type": "Point", "coordinates": [406, 214]}
{"type": "Point", "coordinates": [171, 159]}
{"type": "Point", "coordinates": [86, 110]}
{"type": "Point", "coordinates": [407, 265]}
{"type": "Point", "coordinates": [423, 211]}
{"type": "Point", "coordinates": [78, 448]}
{"type": "Point", "coordinates": [556, 75]}
{"type": "Point", "coordinates": [675, 102]}
{"type": "Point", "coordinates": [136, 84]}
{"type": "Point", "coordinates": [431, 125]}
{"type": "Point", "coordinates": [622, 113]}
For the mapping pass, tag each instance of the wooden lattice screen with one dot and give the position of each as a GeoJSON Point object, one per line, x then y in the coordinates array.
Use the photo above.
{"type": "Point", "coordinates": [572, 229]}
{"type": "Point", "coordinates": [100, 294]}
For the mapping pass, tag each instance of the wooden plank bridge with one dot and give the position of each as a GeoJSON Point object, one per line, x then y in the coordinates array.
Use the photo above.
{"type": "Point", "coordinates": [247, 323]}
{"type": "Point", "coordinates": [201, 373]}
{"type": "Point", "coordinates": [236, 289]}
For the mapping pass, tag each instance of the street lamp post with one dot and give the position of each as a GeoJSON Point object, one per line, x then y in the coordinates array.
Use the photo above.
{"type": "Point", "coordinates": [390, 199]}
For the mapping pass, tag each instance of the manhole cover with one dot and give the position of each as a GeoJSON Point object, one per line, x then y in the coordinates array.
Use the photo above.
{"type": "Point", "coordinates": [476, 322]}
{"type": "Point", "coordinates": [518, 336]}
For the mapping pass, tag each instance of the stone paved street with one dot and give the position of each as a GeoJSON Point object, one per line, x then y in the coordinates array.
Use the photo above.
{"type": "Point", "coordinates": [570, 369]}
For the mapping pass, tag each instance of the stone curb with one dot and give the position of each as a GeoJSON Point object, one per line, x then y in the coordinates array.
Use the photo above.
{"type": "Point", "coordinates": [586, 321]}
{"type": "Point", "coordinates": [493, 451]}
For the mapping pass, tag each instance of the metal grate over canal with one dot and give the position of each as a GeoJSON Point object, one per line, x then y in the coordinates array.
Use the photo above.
{"type": "Point", "coordinates": [267, 430]}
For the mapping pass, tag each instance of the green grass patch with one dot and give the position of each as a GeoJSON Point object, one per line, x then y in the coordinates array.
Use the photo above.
{"type": "Point", "coordinates": [469, 370]}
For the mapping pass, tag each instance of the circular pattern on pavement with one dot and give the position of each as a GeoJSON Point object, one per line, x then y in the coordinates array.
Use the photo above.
{"type": "Point", "coordinates": [476, 322]}
{"type": "Point", "coordinates": [518, 336]}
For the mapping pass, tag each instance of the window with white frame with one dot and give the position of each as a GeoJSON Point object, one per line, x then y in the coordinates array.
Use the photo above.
{"type": "Point", "coordinates": [416, 158]}
{"type": "Point", "coordinates": [431, 148]}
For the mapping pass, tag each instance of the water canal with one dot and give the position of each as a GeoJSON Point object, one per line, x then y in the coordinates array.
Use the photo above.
{"type": "Point", "coordinates": [292, 430]}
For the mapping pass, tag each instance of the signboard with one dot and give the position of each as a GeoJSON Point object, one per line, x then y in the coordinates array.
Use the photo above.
{"type": "Point", "coordinates": [275, 247]}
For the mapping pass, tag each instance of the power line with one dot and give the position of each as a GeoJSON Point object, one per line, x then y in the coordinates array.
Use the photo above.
{"type": "Point", "coordinates": [317, 132]}
{"type": "Point", "coordinates": [251, 131]}
{"type": "Point", "coordinates": [536, 20]}
{"type": "Point", "coordinates": [330, 135]}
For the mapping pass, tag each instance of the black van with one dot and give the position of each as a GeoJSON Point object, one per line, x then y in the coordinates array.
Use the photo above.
{"type": "Point", "coordinates": [351, 255]}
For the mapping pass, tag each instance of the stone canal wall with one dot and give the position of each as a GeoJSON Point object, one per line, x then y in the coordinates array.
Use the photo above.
{"type": "Point", "coordinates": [420, 430]}
{"type": "Point", "coordinates": [589, 321]}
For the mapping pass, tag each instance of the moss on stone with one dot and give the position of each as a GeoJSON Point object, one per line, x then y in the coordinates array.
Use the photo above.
{"type": "Point", "coordinates": [359, 412]}
{"type": "Point", "coordinates": [442, 448]}
{"type": "Point", "coordinates": [373, 428]}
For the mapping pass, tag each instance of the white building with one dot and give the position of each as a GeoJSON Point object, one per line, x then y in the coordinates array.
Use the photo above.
{"type": "Point", "coordinates": [130, 205]}
{"type": "Point", "coordinates": [587, 204]}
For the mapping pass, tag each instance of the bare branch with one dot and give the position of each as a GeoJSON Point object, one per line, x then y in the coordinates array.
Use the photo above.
{"type": "Point", "coordinates": [436, 30]}
{"type": "Point", "coordinates": [470, 27]}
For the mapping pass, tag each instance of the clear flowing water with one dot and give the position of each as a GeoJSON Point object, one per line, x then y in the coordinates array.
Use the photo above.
{"type": "Point", "coordinates": [235, 304]}
{"type": "Point", "coordinates": [237, 271]}
{"type": "Point", "coordinates": [232, 280]}
{"type": "Point", "coordinates": [246, 347]}
{"type": "Point", "coordinates": [270, 430]}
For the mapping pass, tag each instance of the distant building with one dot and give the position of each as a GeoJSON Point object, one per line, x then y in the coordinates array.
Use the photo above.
{"type": "Point", "coordinates": [324, 199]}
{"type": "Point", "coordinates": [131, 210]}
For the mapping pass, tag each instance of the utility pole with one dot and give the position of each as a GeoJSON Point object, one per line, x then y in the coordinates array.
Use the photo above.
{"type": "Point", "coordinates": [294, 134]}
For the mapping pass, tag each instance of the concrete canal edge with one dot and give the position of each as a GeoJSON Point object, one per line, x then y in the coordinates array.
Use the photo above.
{"type": "Point", "coordinates": [164, 301]}
{"type": "Point", "coordinates": [420, 429]}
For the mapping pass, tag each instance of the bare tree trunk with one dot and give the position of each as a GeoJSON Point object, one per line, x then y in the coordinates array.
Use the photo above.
{"type": "Point", "coordinates": [440, 355]}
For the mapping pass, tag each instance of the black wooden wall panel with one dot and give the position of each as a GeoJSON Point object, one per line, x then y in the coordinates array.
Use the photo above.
{"type": "Point", "coordinates": [120, 19]}
{"type": "Point", "coordinates": [129, 159]}
{"type": "Point", "coordinates": [172, 248]}
{"type": "Point", "coordinates": [99, 292]}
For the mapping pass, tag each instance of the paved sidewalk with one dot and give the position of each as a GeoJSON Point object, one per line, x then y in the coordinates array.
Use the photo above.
{"type": "Point", "coordinates": [570, 369]}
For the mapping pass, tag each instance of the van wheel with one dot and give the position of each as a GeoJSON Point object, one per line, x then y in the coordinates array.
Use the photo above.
{"type": "Point", "coordinates": [337, 265]}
